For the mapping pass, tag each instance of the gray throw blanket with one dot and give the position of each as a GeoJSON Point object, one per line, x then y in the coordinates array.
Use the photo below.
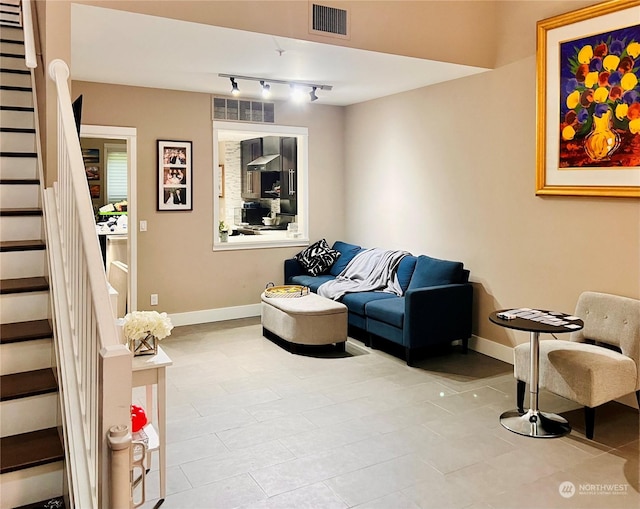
{"type": "Point", "coordinates": [370, 270]}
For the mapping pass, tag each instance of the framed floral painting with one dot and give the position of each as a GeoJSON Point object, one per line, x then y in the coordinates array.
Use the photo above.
{"type": "Point", "coordinates": [588, 88]}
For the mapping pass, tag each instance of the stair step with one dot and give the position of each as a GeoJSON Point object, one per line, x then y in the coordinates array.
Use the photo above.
{"type": "Point", "coordinates": [23, 285]}
{"type": "Point", "coordinates": [25, 356]}
{"type": "Point", "coordinates": [17, 96]}
{"type": "Point", "coordinates": [31, 449]}
{"type": "Point", "coordinates": [17, 108]}
{"type": "Point", "coordinates": [15, 80]}
{"type": "Point", "coordinates": [14, 71]}
{"type": "Point", "coordinates": [52, 503]}
{"type": "Point", "coordinates": [17, 119]}
{"type": "Point", "coordinates": [21, 212]}
{"type": "Point", "coordinates": [20, 227]}
{"type": "Point", "coordinates": [11, 41]}
{"type": "Point", "coordinates": [23, 130]}
{"type": "Point", "coordinates": [23, 307]}
{"type": "Point", "coordinates": [22, 245]}
{"type": "Point", "coordinates": [30, 383]}
{"type": "Point", "coordinates": [25, 331]}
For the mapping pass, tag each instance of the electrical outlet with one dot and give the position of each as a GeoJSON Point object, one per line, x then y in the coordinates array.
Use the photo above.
{"type": "Point", "coordinates": [143, 226]}
{"type": "Point", "coordinates": [154, 299]}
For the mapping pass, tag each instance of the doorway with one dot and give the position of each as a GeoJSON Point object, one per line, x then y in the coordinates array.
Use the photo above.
{"type": "Point", "coordinates": [122, 137]}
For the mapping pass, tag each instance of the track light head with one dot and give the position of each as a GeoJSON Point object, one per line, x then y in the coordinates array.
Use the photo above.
{"type": "Point", "coordinates": [266, 89]}
{"type": "Point", "coordinates": [234, 87]}
{"type": "Point", "coordinates": [313, 95]}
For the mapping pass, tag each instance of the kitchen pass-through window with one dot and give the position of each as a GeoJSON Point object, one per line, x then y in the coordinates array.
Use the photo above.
{"type": "Point", "coordinates": [260, 185]}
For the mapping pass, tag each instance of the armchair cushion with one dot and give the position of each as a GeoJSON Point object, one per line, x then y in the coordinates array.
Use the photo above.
{"type": "Point", "coordinates": [587, 374]}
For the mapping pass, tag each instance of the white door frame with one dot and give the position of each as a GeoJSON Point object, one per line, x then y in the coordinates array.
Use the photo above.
{"type": "Point", "coordinates": [128, 134]}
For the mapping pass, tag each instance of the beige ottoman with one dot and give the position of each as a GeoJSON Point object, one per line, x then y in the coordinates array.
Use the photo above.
{"type": "Point", "coordinates": [308, 320]}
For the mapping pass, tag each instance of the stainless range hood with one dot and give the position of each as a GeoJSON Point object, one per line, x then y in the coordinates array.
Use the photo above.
{"type": "Point", "coordinates": [265, 163]}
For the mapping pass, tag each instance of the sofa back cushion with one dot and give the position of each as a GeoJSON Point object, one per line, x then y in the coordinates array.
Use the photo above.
{"type": "Point", "coordinates": [405, 270]}
{"type": "Point", "coordinates": [434, 272]}
{"type": "Point", "coordinates": [347, 252]}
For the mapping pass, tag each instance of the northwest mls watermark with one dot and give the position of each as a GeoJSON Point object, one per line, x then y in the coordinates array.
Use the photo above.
{"type": "Point", "coordinates": [567, 489]}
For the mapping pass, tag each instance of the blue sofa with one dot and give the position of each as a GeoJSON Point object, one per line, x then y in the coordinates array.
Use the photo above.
{"type": "Point", "coordinates": [434, 310]}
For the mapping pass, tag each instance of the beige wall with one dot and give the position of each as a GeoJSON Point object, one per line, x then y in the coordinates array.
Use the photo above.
{"type": "Point", "coordinates": [175, 257]}
{"type": "Point", "coordinates": [454, 166]}
{"type": "Point", "coordinates": [460, 31]}
{"type": "Point", "coordinates": [447, 170]}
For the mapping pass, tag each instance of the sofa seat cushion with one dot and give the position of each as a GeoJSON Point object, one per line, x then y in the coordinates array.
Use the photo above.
{"type": "Point", "coordinates": [389, 311]}
{"type": "Point", "coordinates": [312, 282]}
{"type": "Point", "coordinates": [356, 302]}
{"type": "Point", "coordinates": [434, 272]}
{"type": "Point", "coordinates": [347, 253]}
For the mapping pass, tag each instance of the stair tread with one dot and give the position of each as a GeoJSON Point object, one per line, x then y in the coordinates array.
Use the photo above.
{"type": "Point", "coordinates": [20, 182]}
{"type": "Point", "coordinates": [18, 154]}
{"type": "Point", "coordinates": [21, 245]}
{"type": "Point", "coordinates": [28, 383]}
{"type": "Point", "coordinates": [31, 449]}
{"type": "Point", "coordinates": [57, 502]}
{"type": "Point", "coordinates": [23, 285]}
{"type": "Point", "coordinates": [21, 212]}
{"type": "Point", "coordinates": [25, 331]}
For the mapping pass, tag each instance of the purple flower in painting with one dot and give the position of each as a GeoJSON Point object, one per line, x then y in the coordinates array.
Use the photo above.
{"type": "Point", "coordinates": [595, 65]}
{"type": "Point", "coordinates": [614, 78]}
{"type": "Point", "coordinates": [630, 97]}
{"type": "Point", "coordinates": [571, 85]}
{"type": "Point", "coordinates": [583, 115]}
{"type": "Point", "coordinates": [601, 109]}
{"type": "Point", "coordinates": [616, 47]}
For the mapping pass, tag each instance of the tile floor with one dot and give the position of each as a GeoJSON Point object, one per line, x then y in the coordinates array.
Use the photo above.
{"type": "Point", "coordinates": [254, 427]}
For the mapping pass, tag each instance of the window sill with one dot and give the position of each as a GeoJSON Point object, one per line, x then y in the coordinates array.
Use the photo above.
{"type": "Point", "coordinates": [262, 241]}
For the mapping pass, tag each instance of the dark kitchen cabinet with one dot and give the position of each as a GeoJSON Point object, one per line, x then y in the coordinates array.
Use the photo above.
{"type": "Point", "coordinates": [250, 180]}
{"type": "Point", "coordinates": [289, 172]}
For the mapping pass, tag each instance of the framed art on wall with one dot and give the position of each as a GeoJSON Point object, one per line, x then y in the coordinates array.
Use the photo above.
{"type": "Point", "coordinates": [588, 100]}
{"type": "Point", "coordinates": [175, 175]}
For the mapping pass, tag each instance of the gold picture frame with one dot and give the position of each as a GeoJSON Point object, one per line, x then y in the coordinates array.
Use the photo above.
{"type": "Point", "coordinates": [582, 60]}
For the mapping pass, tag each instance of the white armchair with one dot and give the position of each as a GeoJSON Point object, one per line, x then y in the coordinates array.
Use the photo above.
{"type": "Point", "coordinates": [598, 364]}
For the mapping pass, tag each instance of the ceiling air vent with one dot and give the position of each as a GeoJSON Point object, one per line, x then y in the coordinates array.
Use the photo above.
{"type": "Point", "coordinates": [329, 20]}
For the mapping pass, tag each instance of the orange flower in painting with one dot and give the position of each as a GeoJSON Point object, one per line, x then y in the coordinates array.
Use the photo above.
{"type": "Point", "coordinates": [582, 72]}
{"type": "Point", "coordinates": [634, 111]}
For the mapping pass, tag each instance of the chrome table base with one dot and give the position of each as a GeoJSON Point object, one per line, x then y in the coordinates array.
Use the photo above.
{"type": "Point", "coordinates": [535, 424]}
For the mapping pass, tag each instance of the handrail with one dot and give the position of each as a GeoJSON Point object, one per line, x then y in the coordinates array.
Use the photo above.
{"type": "Point", "coordinates": [29, 40]}
{"type": "Point", "coordinates": [95, 367]}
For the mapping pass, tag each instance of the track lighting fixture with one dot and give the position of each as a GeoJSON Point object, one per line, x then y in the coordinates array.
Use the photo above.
{"type": "Point", "coordinates": [297, 87]}
{"type": "Point", "coordinates": [234, 86]}
{"type": "Point", "coordinates": [266, 89]}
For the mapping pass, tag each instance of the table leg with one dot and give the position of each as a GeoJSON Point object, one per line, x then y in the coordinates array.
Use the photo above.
{"type": "Point", "coordinates": [535, 423]}
{"type": "Point", "coordinates": [162, 419]}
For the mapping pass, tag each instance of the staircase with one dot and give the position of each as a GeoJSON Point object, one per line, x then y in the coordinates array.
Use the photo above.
{"type": "Point", "coordinates": [31, 459]}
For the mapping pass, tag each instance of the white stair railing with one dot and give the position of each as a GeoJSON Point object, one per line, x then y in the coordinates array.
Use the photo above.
{"type": "Point", "coordinates": [93, 365]}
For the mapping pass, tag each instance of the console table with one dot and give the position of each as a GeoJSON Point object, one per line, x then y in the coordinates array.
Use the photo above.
{"type": "Point", "coordinates": [149, 370]}
{"type": "Point", "coordinates": [535, 423]}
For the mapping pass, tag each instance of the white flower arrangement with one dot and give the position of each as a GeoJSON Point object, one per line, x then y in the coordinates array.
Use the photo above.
{"type": "Point", "coordinates": [140, 324]}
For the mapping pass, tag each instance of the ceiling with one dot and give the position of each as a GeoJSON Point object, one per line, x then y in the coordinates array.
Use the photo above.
{"type": "Point", "coordinates": [111, 46]}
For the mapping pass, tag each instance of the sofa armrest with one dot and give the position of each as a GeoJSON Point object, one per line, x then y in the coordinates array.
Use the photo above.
{"type": "Point", "coordinates": [292, 268]}
{"type": "Point", "coordinates": [437, 314]}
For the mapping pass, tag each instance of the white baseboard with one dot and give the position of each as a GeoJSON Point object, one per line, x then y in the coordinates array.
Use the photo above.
{"type": "Point", "coordinates": [215, 315]}
{"type": "Point", "coordinates": [491, 348]}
